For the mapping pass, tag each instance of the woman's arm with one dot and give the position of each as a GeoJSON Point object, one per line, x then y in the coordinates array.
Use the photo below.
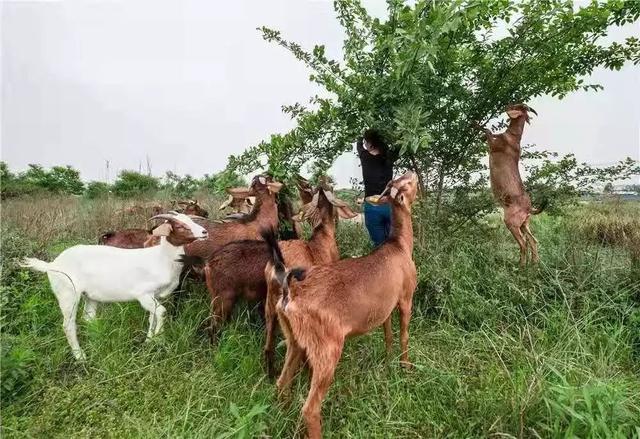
{"type": "Point", "coordinates": [360, 146]}
{"type": "Point", "coordinates": [394, 153]}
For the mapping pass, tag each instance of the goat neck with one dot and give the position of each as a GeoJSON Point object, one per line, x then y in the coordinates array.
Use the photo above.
{"type": "Point", "coordinates": [171, 248]}
{"type": "Point", "coordinates": [323, 241]}
{"type": "Point", "coordinates": [401, 228]}
{"type": "Point", "coordinates": [516, 128]}
{"type": "Point", "coordinates": [267, 210]}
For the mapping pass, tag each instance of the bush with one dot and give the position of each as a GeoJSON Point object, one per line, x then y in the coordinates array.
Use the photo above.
{"type": "Point", "coordinates": [58, 180]}
{"type": "Point", "coordinates": [97, 189]}
{"type": "Point", "coordinates": [182, 187]}
{"type": "Point", "coordinates": [131, 183]}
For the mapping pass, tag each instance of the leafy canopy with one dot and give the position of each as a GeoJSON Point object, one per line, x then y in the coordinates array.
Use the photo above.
{"type": "Point", "coordinates": [430, 70]}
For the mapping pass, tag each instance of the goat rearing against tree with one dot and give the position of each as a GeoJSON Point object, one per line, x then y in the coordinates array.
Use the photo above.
{"type": "Point", "coordinates": [323, 305]}
{"type": "Point", "coordinates": [506, 183]}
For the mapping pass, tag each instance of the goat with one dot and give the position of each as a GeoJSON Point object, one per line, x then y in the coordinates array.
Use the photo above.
{"type": "Point", "coordinates": [152, 208]}
{"type": "Point", "coordinates": [238, 203]}
{"type": "Point", "coordinates": [109, 274]}
{"type": "Point", "coordinates": [324, 304]}
{"type": "Point", "coordinates": [226, 283]}
{"type": "Point", "coordinates": [506, 183]}
{"type": "Point", "coordinates": [321, 210]}
{"type": "Point", "coordinates": [264, 214]}
{"type": "Point", "coordinates": [191, 207]}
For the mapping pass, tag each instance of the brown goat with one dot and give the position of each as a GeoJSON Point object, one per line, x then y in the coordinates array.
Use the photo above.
{"type": "Point", "coordinates": [321, 209]}
{"type": "Point", "coordinates": [227, 283]}
{"type": "Point", "coordinates": [264, 214]}
{"type": "Point", "coordinates": [191, 207]}
{"type": "Point", "coordinates": [328, 303]}
{"type": "Point", "coordinates": [152, 208]}
{"type": "Point", "coordinates": [506, 183]}
{"type": "Point", "coordinates": [239, 204]}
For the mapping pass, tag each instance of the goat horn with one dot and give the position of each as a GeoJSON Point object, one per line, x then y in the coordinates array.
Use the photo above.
{"type": "Point", "coordinates": [227, 203]}
{"type": "Point", "coordinates": [197, 217]}
{"type": "Point", "coordinates": [532, 110]}
{"type": "Point", "coordinates": [163, 216]}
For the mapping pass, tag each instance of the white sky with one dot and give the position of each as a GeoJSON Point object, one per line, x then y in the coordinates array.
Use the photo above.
{"type": "Point", "coordinates": [188, 83]}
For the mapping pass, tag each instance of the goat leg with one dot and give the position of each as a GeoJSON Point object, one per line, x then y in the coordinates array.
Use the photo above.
{"type": "Point", "coordinates": [221, 307]}
{"type": "Point", "coordinates": [270, 317]}
{"type": "Point", "coordinates": [405, 315]}
{"type": "Point", "coordinates": [388, 335]}
{"type": "Point", "coordinates": [323, 356]}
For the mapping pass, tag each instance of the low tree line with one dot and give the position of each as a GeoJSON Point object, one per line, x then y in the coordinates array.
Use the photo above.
{"type": "Point", "coordinates": [66, 180]}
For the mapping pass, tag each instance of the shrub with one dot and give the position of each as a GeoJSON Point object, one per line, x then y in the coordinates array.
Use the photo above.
{"type": "Point", "coordinates": [97, 189]}
{"type": "Point", "coordinates": [131, 183]}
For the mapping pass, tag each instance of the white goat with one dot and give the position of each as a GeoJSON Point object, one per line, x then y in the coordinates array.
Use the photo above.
{"type": "Point", "coordinates": [109, 274]}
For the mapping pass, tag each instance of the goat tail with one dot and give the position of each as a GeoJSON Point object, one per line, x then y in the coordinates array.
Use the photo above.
{"type": "Point", "coordinates": [36, 264]}
{"type": "Point", "coordinates": [281, 274]}
{"type": "Point", "coordinates": [543, 205]}
{"type": "Point", "coordinates": [296, 273]}
{"type": "Point", "coordinates": [269, 236]}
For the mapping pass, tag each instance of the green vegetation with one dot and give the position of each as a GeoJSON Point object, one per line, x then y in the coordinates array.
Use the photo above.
{"type": "Point", "coordinates": [552, 351]}
{"type": "Point", "coordinates": [128, 184]}
{"type": "Point", "coordinates": [430, 70]}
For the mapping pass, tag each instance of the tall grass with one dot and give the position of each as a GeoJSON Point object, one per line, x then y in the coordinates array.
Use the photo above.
{"type": "Point", "coordinates": [551, 351]}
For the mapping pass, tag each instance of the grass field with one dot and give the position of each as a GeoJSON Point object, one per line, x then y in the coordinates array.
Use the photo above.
{"type": "Point", "coordinates": [552, 351]}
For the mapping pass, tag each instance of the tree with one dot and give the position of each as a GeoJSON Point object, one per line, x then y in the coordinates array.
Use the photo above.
{"type": "Point", "coordinates": [182, 187]}
{"type": "Point", "coordinates": [131, 183]}
{"type": "Point", "coordinates": [633, 188]}
{"type": "Point", "coordinates": [219, 182]}
{"type": "Point", "coordinates": [59, 180]}
{"type": "Point", "coordinates": [430, 71]}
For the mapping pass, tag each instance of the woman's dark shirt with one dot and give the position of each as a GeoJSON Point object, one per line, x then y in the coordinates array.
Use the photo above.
{"type": "Point", "coordinates": [377, 170]}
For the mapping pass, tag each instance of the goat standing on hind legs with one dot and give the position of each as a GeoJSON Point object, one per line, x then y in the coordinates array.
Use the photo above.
{"type": "Point", "coordinates": [506, 183]}
{"type": "Point", "coordinates": [323, 305]}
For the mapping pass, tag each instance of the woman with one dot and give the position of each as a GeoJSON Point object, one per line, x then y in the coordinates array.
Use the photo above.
{"type": "Point", "coordinates": [377, 170]}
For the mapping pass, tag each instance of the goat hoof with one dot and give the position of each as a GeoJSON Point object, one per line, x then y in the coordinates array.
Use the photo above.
{"type": "Point", "coordinates": [406, 365]}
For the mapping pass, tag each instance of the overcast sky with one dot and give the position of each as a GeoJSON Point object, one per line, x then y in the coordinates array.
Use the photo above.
{"type": "Point", "coordinates": [188, 83]}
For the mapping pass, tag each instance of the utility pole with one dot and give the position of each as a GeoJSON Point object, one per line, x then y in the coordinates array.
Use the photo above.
{"type": "Point", "coordinates": [106, 171]}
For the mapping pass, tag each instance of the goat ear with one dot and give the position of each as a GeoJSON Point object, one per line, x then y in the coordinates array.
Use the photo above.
{"type": "Point", "coordinates": [162, 230]}
{"type": "Point", "coordinates": [346, 212]}
{"type": "Point", "coordinates": [274, 186]}
{"type": "Point", "coordinates": [333, 199]}
{"type": "Point", "coordinates": [240, 192]}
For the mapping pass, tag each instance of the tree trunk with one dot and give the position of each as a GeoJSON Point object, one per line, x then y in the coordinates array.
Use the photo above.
{"type": "Point", "coordinates": [439, 189]}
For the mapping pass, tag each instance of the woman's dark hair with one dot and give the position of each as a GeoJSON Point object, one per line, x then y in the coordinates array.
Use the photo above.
{"type": "Point", "coordinates": [375, 138]}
